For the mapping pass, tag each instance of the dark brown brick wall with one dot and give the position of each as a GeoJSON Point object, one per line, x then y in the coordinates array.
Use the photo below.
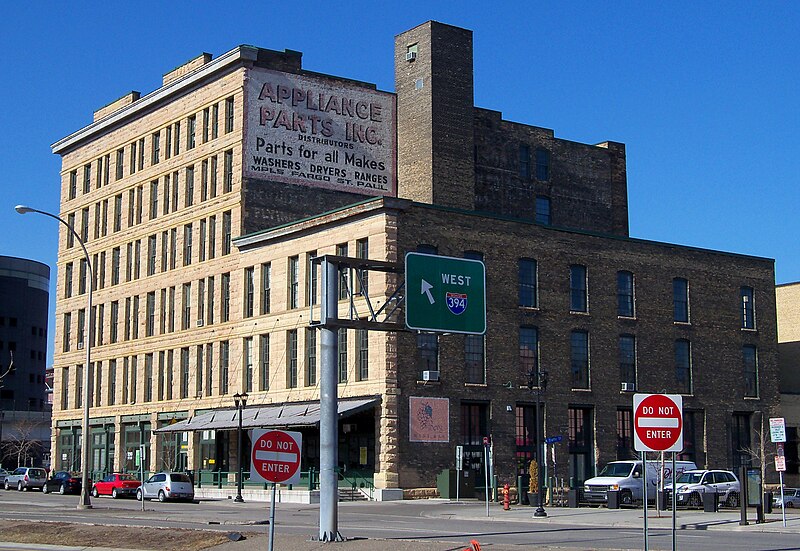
{"type": "Point", "coordinates": [715, 333]}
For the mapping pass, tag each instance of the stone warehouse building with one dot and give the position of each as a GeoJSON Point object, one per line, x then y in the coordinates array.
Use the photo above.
{"type": "Point", "coordinates": [788, 309]}
{"type": "Point", "coordinates": [204, 203]}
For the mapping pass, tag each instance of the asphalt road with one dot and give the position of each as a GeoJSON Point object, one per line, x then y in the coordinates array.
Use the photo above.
{"type": "Point", "coordinates": [422, 521]}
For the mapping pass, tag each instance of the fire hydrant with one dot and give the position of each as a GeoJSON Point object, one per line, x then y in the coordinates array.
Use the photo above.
{"type": "Point", "coordinates": [506, 498]}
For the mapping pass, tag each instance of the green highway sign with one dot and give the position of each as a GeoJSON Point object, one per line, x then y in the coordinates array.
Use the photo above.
{"type": "Point", "coordinates": [445, 294]}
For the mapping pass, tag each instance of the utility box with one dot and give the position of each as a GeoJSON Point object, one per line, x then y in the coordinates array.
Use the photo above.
{"type": "Point", "coordinates": [446, 484]}
{"type": "Point", "coordinates": [710, 502]}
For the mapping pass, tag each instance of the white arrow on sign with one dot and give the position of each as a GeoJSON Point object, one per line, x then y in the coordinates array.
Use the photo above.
{"type": "Point", "coordinates": [426, 290]}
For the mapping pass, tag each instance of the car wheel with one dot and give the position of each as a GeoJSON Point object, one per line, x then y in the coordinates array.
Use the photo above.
{"type": "Point", "coordinates": [695, 500]}
{"type": "Point", "coordinates": [5, 484]}
{"type": "Point", "coordinates": [114, 493]}
{"type": "Point", "coordinates": [95, 493]}
{"type": "Point", "coordinates": [62, 489]}
{"type": "Point", "coordinates": [45, 490]}
{"type": "Point", "coordinates": [139, 495]}
{"type": "Point", "coordinates": [19, 486]}
{"type": "Point", "coordinates": [626, 498]}
{"type": "Point", "coordinates": [161, 496]}
{"type": "Point", "coordinates": [733, 500]}
{"type": "Point", "coordinates": [789, 505]}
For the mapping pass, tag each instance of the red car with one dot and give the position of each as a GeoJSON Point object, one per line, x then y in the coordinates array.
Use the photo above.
{"type": "Point", "coordinates": [116, 485]}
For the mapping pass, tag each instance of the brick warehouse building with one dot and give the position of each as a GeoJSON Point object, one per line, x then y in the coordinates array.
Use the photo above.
{"type": "Point", "coordinates": [204, 202]}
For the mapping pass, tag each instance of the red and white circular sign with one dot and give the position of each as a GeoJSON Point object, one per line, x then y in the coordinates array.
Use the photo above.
{"type": "Point", "coordinates": [275, 456]}
{"type": "Point", "coordinates": [658, 422]}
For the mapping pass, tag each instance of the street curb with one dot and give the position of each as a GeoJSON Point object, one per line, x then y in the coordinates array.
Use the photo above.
{"type": "Point", "coordinates": [42, 546]}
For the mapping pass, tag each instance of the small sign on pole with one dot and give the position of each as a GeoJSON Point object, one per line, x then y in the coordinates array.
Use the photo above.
{"type": "Point", "coordinates": [780, 463]}
{"type": "Point", "coordinates": [459, 458]}
{"type": "Point", "coordinates": [777, 429]}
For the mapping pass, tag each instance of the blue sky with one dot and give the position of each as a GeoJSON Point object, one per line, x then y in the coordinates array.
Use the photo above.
{"type": "Point", "coordinates": [706, 96]}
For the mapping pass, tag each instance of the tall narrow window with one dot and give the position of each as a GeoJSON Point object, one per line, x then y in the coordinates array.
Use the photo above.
{"type": "Point", "coordinates": [542, 164]}
{"type": "Point", "coordinates": [263, 362]}
{"type": "Point", "coordinates": [428, 351]}
{"type": "Point", "coordinates": [68, 280]}
{"type": "Point", "coordinates": [117, 212]}
{"type": "Point", "coordinates": [625, 294]}
{"type": "Point", "coordinates": [266, 278]}
{"type": "Point", "coordinates": [201, 248]}
{"type": "Point", "coordinates": [73, 184]}
{"type": "Point", "coordinates": [67, 330]}
{"type": "Point", "coordinates": [206, 116]}
{"type": "Point", "coordinates": [748, 311]}
{"type": "Point", "coordinates": [247, 346]}
{"type": "Point", "coordinates": [187, 244]}
{"type": "Point", "coordinates": [474, 359]}
{"type": "Point", "coordinates": [150, 326]}
{"type": "Point", "coordinates": [529, 353]}
{"type": "Point", "coordinates": [212, 187]}
{"type": "Point", "coordinates": [226, 232]}
{"type": "Point", "coordinates": [148, 377]}
{"type": "Point", "coordinates": [201, 301]}
{"type": "Point", "coordinates": [311, 356]}
{"type": "Point", "coordinates": [118, 165]}
{"type": "Point", "coordinates": [226, 296]}
{"type": "Point", "coordinates": [184, 376]}
{"type": "Point", "coordinates": [204, 180]}
{"type": "Point", "coordinates": [229, 114]}
{"type": "Point", "coordinates": [524, 161]}
{"type": "Point", "coordinates": [210, 301]}
{"type": "Point", "coordinates": [112, 382]}
{"type": "Point", "coordinates": [579, 359]}
{"type": "Point", "coordinates": [189, 188]}
{"type": "Point", "coordinates": [152, 254]}
{"type": "Point", "coordinates": [87, 178]}
{"type": "Point", "coordinates": [65, 388]}
{"type": "Point", "coordinates": [344, 273]}
{"type": "Point", "coordinates": [683, 366]}
{"type": "Point", "coordinates": [224, 364]}
{"type": "Point", "coordinates": [212, 236]}
{"type": "Point", "coordinates": [186, 301]}
{"type": "Point", "coordinates": [291, 358]}
{"type": "Point", "coordinates": [362, 369]}
{"type": "Point", "coordinates": [227, 172]}
{"type": "Point", "coordinates": [680, 300]}
{"type": "Point", "coordinates": [625, 434]}
{"type": "Point", "coordinates": [177, 143]}
{"type": "Point", "coordinates": [155, 148]}
{"type": "Point", "coordinates": [342, 363]}
{"type": "Point", "coordinates": [153, 199]}
{"type": "Point", "coordinates": [543, 210]}
{"type": "Point", "coordinates": [209, 365]}
{"type": "Point", "coordinates": [362, 276]}
{"type": "Point", "coordinates": [750, 364]}
{"type": "Point", "coordinates": [580, 443]}
{"type": "Point", "coordinates": [627, 359]}
{"type": "Point", "coordinates": [214, 121]}
{"type": "Point", "coordinates": [578, 295]}
{"type": "Point", "coordinates": [249, 292]}
{"type": "Point", "coordinates": [113, 335]}
{"type": "Point", "coordinates": [190, 132]}
{"type": "Point", "coordinates": [294, 281]}
{"type": "Point", "coordinates": [740, 439]}
{"type": "Point", "coordinates": [312, 276]}
{"type": "Point", "coordinates": [527, 283]}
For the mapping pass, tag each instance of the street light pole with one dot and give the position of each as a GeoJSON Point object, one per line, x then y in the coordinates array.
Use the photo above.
{"type": "Point", "coordinates": [241, 401]}
{"type": "Point", "coordinates": [539, 377]}
{"type": "Point", "coordinates": [85, 501]}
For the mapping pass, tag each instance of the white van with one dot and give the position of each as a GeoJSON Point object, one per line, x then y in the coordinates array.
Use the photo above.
{"type": "Point", "coordinates": [626, 476]}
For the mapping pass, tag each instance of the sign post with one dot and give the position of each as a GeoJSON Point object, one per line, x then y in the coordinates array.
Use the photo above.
{"type": "Point", "coordinates": [658, 427]}
{"type": "Point", "coordinates": [459, 466]}
{"type": "Point", "coordinates": [445, 294]}
{"type": "Point", "coordinates": [777, 434]}
{"type": "Point", "coordinates": [275, 457]}
{"type": "Point", "coordinates": [486, 445]}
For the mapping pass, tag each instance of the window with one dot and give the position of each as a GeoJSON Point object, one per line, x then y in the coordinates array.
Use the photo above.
{"type": "Point", "coordinates": [113, 335]}
{"type": "Point", "coordinates": [112, 382]}
{"type": "Point", "coordinates": [226, 232]}
{"type": "Point", "coordinates": [579, 359]}
{"type": "Point", "coordinates": [542, 164]}
{"type": "Point", "coordinates": [294, 282]}
{"type": "Point", "coordinates": [173, 248]}
{"type": "Point", "coordinates": [312, 289]}
{"type": "Point", "coordinates": [201, 249]}
{"type": "Point", "coordinates": [212, 236]}
{"type": "Point", "coordinates": [118, 212]}
{"type": "Point", "coordinates": [152, 254]}
{"type": "Point", "coordinates": [227, 172]}
{"type": "Point", "coordinates": [683, 366]}
{"type": "Point", "coordinates": [428, 351]}
{"type": "Point", "coordinates": [184, 376]}
{"type": "Point", "coordinates": [527, 283]}
{"type": "Point", "coordinates": [118, 165]}
{"type": "Point", "coordinates": [627, 359]}
{"type": "Point", "coordinates": [137, 257]}
{"type": "Point", "coordinates": [100, 326]}
{"type": "Point", "coordinates": [187, 244]}
{"type": "Point", "coordinates": [525, 430]}
{"type": "Point", "coordinates": [342, 363]}
{"type": "Point", "coordinates": [474, 359]}
{"type": "Point", "coordinates": [625, 294]}
{"type": "Point", "coordinates": [78, 386]}
{"type": "Point", "coordinates": [175, 191]}
{"type": "Point", "coordinates": [224, 349]}
{"type": "Point", "coordinates": [266, 277]}
{"type": "Point", "coordinates": [362, 369]}
{"type": "Point", "coordinates": [247, 347]}
{"type": "Point", "coordinates": [226, 297]}
{"type": "Point", "coordinates": [748, 311]}
{"type": "Point", "coordinates": [148, 377]}
{"type": "Point", "coordinates": [153, 199]}
{"type": "Point", "coordinates": [209, 368]}
{"type": "Point", "coordinates": [344, 273]}
{"type": "Point", "coordinates": [150, 327]}
{"type": "Point", "coordinates": [740, 439]}
{"type": "Point", "coordinates": [680, 300]}
{"type": "Point", "coordinates": [186, 301]}
{"type": "Point", "coordinates": [171, 310]}
{"type": "Point", "coordinates": [229, 114]}
{"type": "Point", "coordinates": [263, 361]}
{"type": "Point", "coordinates": [291, 358]}
{"type": "Point", "coordinates": [68, 280]}
{"type": "Point", "coordinates": [204, 180]}
{"type": "Point", "coordinates": [210, 301]}
{"type": "Point", "coordinates": [71, 235]}
{"type": "Point", "coordinates": [524, 161]}
{"type": "Point", "coordinates": [132, 165]}
{"type": "Point", "coordinates": [750, 364]}
{"type": "Point", "coordinates": [162, 313]}
{"type": "Point", "coordinates": [213, 177]}
{"type": "Point", "coordinates": [99, 179]}
{"type": "Point", "coordinates": [177, 143]}
{"type": "Point", "coordinates": [311, 356]}
{"type": "Point", "coordinates": [625, 434]}
{"type": "Point", "coordinates": [249, 292]}
{"type": "Point", "coordinates": [73, 184]}
{"type": "Point", "coordinates": [169, 373]}
{"type": "Point", "coordinates": [201, 301]}
{"type": "Point", "coordinates": [67, 331]}
{"type": "Point", "coordinates": [115, 260]}
{"type": "Point", "coordinates": [65, 388]}
{"type": "Point", "coordinates": [85, 224]}
{"type": "Point", "coordinates": [155, 148]}
{"type": "Point", "coordinates": [543, 210]}
{"type": "Point", "coordinates": [580, 445]}
{"type": "Point", "coordinates": [578, 296]}
{"type": "Point", "coordinates": [529, 353]}
{"type": "Point", "coordinates": [206, 115]}
{"type": "Point", "coordinates": [362, 276]}
{"type": "Point", "coordinates": [81, 327]}
{"type": "Point", "coordinates": [87, 178]}
{"type": "Point", "coordinates": [189, 189]}
{"type": "Point", "coordinates": [190, 132]}
{"type": "Point", "coordinates": [214, 121]}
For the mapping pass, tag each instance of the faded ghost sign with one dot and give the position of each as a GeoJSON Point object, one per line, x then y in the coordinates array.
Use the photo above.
{"type": "Point", "coordinates": [319, 132]}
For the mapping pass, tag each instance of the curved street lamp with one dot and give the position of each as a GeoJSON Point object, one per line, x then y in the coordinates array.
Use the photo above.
{"type": "Point", "coordinates": [538, 379]}
{"type": "Point", "coordinates": [241, 401]}
{"type": "Point", "coordinates": [85, 501]}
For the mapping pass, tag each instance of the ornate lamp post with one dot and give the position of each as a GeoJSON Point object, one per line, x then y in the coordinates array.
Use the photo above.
{"type": "Point", "coordinates": [85, 501]}
{"type": "Point", "coordinates": [538, 380]}
{"type": "Point", "coordinates": [241, 401]}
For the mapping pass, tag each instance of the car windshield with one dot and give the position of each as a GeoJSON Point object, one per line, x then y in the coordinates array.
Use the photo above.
{"type": "Point", "coordinates": [689, 478]}
{"type": "Point", "coordinates": [616, 469]}
{"type": "Point", "coordinates": [179, 477]}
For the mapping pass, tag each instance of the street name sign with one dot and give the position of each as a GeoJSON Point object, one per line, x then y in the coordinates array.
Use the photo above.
{"type": "Point", "coordinates": [275, 456]}
{"type": "Point", "coordinates": [658, 422]}
{"type": "Point", "coordinates": [445, 294]}
{"type": "Point", "coordinates": [777, 429]}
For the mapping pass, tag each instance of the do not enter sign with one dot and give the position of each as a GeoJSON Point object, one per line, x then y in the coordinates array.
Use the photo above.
{"type": "Point", "coordinates": [275, 456]}
{"type": "Point", "coordinates": [658, 422]}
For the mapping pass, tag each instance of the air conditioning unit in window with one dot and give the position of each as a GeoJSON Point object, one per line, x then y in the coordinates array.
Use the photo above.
{"type": "Point", "coordinates": [349, 427]}
{"type": "Point", "coordinates": [430, 375]}
{"type": "Point", "coordinates": [80, 345]}
{"type": "Point", "coordinates": [200, 323]}
{"type": "Point", "coordinates": [628, 387]}
{"type": "Point", "coordinates": [411, 56]}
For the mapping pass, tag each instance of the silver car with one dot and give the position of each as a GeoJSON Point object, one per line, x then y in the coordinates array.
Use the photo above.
{"type": "Point", "coordinates": [164, 486]}
{"type": "Point", "coordinates": [26, 477]}
{"type": "Point", "coordinates": [791, 497]}
{"type": "Point", "coordinates": [693, 484]}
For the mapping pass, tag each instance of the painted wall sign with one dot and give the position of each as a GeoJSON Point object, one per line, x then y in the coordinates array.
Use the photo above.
{"type": "Point", "coordinates": [429, 419]}
{"type": "Point", "coordinates": [319, 132]}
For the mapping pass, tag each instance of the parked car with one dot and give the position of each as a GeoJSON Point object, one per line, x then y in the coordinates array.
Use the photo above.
{"type": "Point", "coordinates": [24, 478]}
{"type": "Point", "coordinates": [791, 497]}
{"type": "Point", "coordinates": [63, 482]}
{"type": "Point", "coordinates": [626, 477]}
{"type": "Point", "coordinates": [693, 484]}
{"type": "Point", "coordinates": [164, 486]}
{"type": "Point", "coordinates": [3, 475]}
{"type": "Point", "coordinates": [116, 485]}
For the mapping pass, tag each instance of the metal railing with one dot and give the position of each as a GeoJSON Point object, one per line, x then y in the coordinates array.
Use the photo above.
{"type": "Point", "coordinates": [357, 481]}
